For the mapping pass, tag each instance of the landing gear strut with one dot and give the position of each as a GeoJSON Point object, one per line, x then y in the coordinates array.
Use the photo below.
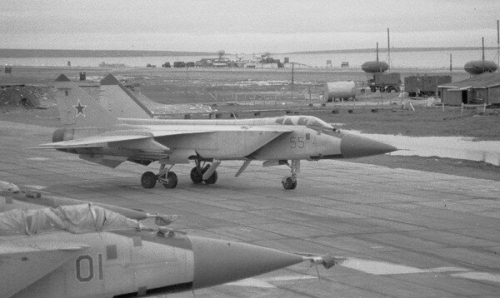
{"type": "Point", "coordinates": [167, 178]}
{"type": "Point", "coordinates": [198, 173]}
{"type": "Point", "coordinates": [290, 182]}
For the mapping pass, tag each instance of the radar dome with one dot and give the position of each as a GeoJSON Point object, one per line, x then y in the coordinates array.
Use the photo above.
{"type": "Point", "coordinates": [374, 66]}
{"type": "Point", "coordinates": [480, 66]}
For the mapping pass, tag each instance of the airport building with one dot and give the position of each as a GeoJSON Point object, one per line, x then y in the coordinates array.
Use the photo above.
{"type": "Point", "coordinates": [484, 88]}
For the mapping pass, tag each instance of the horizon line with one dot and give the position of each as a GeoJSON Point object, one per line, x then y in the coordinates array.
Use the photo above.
{"type": "Point", "coordinates": [11, 52]}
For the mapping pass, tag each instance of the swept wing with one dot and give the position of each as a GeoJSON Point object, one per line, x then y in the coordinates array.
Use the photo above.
{"type": "Point", "coordinates": [112, 138]}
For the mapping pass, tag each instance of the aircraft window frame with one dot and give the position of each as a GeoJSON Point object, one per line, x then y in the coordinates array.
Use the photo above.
{"type": "Point", "coordinates": [308, 121]}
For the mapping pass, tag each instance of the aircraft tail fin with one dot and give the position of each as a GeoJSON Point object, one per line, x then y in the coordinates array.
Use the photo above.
{"type": "Point", "coordinates": [120, 101]}
{"type": "Point", "coordinates": [78, 108]}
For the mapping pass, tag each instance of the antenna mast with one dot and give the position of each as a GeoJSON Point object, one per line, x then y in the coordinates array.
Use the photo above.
{"type": "Point", "coordinates": [451, 64]}
{"type": "Point", "coordinates": [498, 46]}
{"type": "Point", "coordinates": [483, 52]}
{"type": "Point", "coordinates": [389, 49]}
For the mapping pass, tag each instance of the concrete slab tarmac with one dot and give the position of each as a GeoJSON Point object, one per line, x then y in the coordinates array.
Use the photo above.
{"type": "Point", "coordinates": [401, 233]}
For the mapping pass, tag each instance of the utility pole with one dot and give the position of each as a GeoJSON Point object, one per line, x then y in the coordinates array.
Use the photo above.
{"type": "Point", "coordinates": [498, 46]}
{"type": "Point", "coordinates": [483, 52]}
{"type": "Point", "coordinates": [451, 64]}
{"type": "Point", "coordinates": [389, 49]}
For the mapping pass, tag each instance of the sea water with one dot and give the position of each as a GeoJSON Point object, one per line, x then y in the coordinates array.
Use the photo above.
{"type": "Point", "coordinates": [439, 59]}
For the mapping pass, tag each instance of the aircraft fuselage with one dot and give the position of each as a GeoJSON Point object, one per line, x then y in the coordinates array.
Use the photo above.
{"type": "Point", "coordinates": [133, 263]}
{"type": "Point", "coordinates": [224, 140]}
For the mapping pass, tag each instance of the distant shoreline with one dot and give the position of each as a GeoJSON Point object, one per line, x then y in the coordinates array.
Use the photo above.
{"type": "Point", "coordinates": [397, 50]}
{"type": "Point", "coordinates": [39, 53]}
{"type": "Point", "coordinates": [33, 53]}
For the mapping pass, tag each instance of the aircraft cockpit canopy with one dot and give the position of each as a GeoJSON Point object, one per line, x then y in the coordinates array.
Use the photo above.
{"type": "Point", "coordinates": [309, 121]}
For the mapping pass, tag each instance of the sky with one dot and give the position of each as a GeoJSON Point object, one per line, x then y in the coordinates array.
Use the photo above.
{"type": "Point", "coordinates": [245, 26]}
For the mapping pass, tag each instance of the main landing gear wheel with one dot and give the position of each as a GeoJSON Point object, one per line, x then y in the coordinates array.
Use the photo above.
{"type": "Point", "coordinates": [197, 175]}
{"type": "Point", "coordinates": [148, 180]}
{"type": "Point", "coordinates": [167, 178]}
{"type": "Point", "coordinates": [212, 179]}
{"type": "Point", "coordinates": [170, 181]}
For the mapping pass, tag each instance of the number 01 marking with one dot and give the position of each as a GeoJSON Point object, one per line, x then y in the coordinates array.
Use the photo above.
{"type": "Point", "coordinates": [86, 261]}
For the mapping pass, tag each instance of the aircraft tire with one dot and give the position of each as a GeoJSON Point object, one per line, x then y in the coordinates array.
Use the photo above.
{"type": "Point", "coordinates": [171, 180]}
{"type": "Point", "coordinates": [196, 176]}
{"type": "Point", "coordinates": [212, 179]}
{"type": "Point", "coordinates": [289, 183]}
{"type": "Point", "coordinates": [148, 180]}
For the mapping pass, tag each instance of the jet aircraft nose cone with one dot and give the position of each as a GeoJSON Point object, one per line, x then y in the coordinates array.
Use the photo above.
{"type": "Point", "coordinates": [353, 146]}
{"type": "Point", "coordinates": [217, 261]}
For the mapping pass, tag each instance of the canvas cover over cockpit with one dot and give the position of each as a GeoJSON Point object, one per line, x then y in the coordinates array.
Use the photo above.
{"type": "Point", "coordinates": [78, 219]}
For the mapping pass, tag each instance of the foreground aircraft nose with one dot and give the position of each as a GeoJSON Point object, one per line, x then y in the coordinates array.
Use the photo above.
{"type": "Point", "coordinates": [217, 261]}
{"type": "Point", "coordinates": [353, 146]}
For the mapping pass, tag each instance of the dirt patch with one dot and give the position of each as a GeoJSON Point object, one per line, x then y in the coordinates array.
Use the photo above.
{"type": "Point", "coordinates": [27, 96]}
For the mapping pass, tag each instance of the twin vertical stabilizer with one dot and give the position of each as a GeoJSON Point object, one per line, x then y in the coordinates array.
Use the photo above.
{"type": "Point", "coordinates": [78, 108]}
{"type": "Point", "coordinates": [114, 97]}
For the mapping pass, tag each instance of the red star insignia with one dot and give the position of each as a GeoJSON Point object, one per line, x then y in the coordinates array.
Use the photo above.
{"type": "Point", "coordinates": [79, 108]}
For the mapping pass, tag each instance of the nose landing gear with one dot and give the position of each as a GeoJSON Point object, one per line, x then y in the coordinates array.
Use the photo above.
{"type": "Point", "coordinates": [290, 182]}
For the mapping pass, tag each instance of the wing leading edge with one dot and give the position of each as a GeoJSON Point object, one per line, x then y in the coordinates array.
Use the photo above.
{"type": "Point", "coordinates": [118, 136]}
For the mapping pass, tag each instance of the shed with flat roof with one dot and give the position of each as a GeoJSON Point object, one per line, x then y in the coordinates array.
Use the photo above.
{"type": "Point", "coordinates": [484, 88]}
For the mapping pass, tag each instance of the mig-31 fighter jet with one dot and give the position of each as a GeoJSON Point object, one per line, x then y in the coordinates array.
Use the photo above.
{"type": "Point", "coordinates": [76, 249]}
{"type": "Point", "coordinates": [96, 135]}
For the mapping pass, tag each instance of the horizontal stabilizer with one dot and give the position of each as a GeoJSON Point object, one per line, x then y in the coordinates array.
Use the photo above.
{"type": "Point", "coordinates": [91, 142]}
{"type": "Point", "coordinates": [23, 265]}
{"type": "Point", "coordinates": [101, 140]}
{"type": "Point", "coordinates": [98, 140]}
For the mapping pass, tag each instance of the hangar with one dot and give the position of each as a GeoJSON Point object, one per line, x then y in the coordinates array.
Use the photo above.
{"type": "Point", "coordinates": [484, 88]}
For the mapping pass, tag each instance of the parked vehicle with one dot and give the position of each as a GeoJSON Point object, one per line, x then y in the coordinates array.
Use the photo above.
{"type": "Point", "coordinates": [385, 82]}
{"type": "Point", "coordinates": [424, 85]}
{"type": "Point", "coordinates": [179, 64]}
